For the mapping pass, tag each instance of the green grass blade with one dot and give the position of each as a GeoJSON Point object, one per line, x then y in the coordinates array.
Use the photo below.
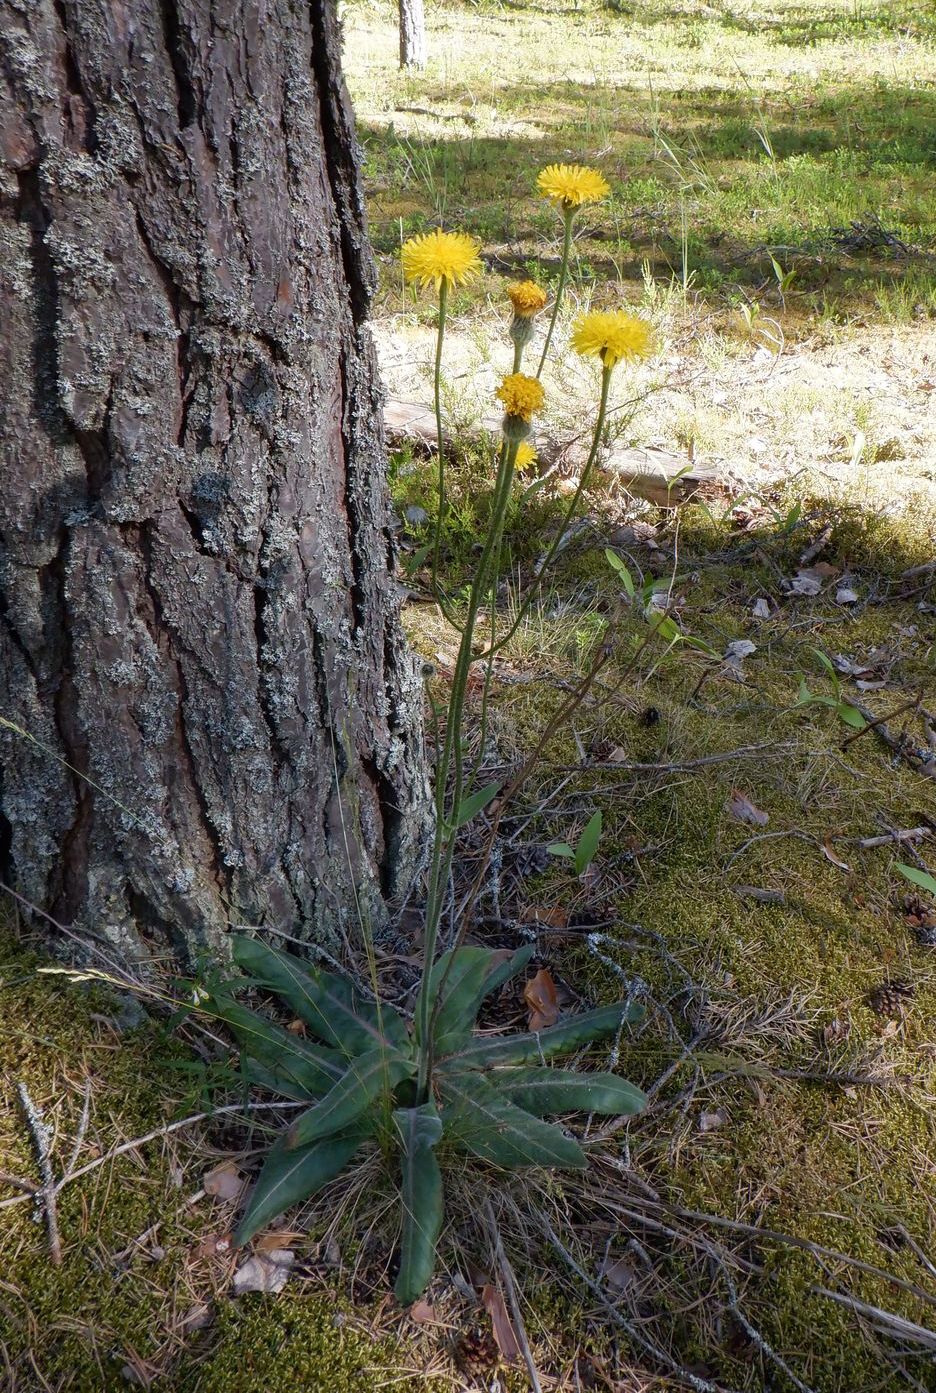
{"type": "Point", "coordinates": [544, 1091]}
{"type": "Point", "coordinates": [324, 1001]}
{"type": "Point", "coordinates": [477, 1119]}
{"type": "Point", "coordinates": [372, 1074]}
{"type": "Point", "coordinates": [421, 1186]}
{"type": "Point", "coordinates": [558, 1039]}
{"type": "Point", "coordinates": [917, 877]}
{"type": "Point", "coordinates": [290, 1176]}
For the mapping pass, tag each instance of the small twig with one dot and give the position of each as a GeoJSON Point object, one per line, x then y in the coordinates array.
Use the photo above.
{"type": "Point", "coordinates": [754, 1334]}
{"type": "Point", "coordinates": [701, 1385]}
{"type": "Point", "coordinates": [877, 722]}
{"type": "Point", "coordinates": [45, 1194]}
{"type": "Point", "coordinates": [912, 834]}
{"type": "Point", "coordinates": [813, 550]}
{"type": "Point", "coordinates": [151, 1136]}
{"type": "Point", "coordinates": [79, 1135]}
{"type": "Point", "coordinates": [886, 1322]}
{"type": "Point", "coordinates": [507, 1273]}
{"type": "Point", "coordinates": [19, 1182]}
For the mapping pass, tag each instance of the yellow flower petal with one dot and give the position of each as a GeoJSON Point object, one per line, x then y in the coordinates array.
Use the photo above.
{"type": "Point", "coordinates": [612, 335]}
{"type": "Point", "coordinates": [438, 256]}
{"type": "Point", "coordinates": [525, 457]}
{"type": "Point", "coordinates": [521, 395]}
{"type": "Point", "coordinates": [571, 185]}
{"type": "Point", "coordinates": [527, 298]}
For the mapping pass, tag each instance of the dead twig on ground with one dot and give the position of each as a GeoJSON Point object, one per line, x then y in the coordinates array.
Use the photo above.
{"type": "Point", "coordinates": [879, 722]}
{"type": "Point", "coordinates": [126, 1146]}
{"type": "Point", "coordinates": [510, 1284]}
{"type": "Point", "coordinates": [45, 1193]}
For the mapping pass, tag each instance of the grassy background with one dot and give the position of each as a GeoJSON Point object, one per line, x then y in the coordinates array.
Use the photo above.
{"type": "Point", "coordinates": [730, 132]}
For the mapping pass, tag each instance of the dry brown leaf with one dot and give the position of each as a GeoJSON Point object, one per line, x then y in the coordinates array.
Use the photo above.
{"type": "Point", "coordinates": [296, 1027]}
{"type": "Point", "coordinates": [276, 1239]}
{"type": "Point", "coordinates": [422, 1313]}
{"type": "Point", "coordinates": [540, 996]}
{"type": "Point", "coordinates": [741, 807]}
{"type": "Point", "coordinates": [554, 917]}
{"type": "Point", "coordinates": [504, 1333]}
{"type": "Point", "coordinates": [830, 855]}
{"type": "Point", "coordinates": [225, 1182]}
{"type": "Point", "coordinates": [197, 1317]}
{"type": "Point", "coordinates": [214, 1245]}
{"type": "Point", "coordinates": [264, 1272]}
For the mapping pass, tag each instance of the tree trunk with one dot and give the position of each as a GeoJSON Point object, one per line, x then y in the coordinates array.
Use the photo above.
{"type": "Point", "coordinates": [198, 629]}
{"type": "Point", "coordinates": [412, 34]}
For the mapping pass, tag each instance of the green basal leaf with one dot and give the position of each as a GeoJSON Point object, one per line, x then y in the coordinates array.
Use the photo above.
{"type": "Point", "coordinates": [481, 1053]}
{"type": "Point", "coordinates": [277, 1081]}
{"type": "Point", "coordinates": [311, 1068]}
{"type": "Point", "coordinates": [324, 1001]}
{"type": "Point", "coordinates": [921, 878]}
{"type": "Point", "coordinates": [477, 1119]}
{"type": "Point", "coordinates": [827, 664]}
{"type": "Point", "coordinates": [561, 849]}
{"type": "Point", "coordinates": [378, 1071]}
{"type": "Point", "coordinates": [666, 628]}
{"type": "Point", "coordinates": [464, 977]}
{"type": "Point", "coordinates": [505, 970]}
{"type": "Point", "coordinates": [624, 575]}
{"type": "Point", "coordinates": [419, 1129]}
{"type": "Point", "coordinates": [587, 844]}
{"type": "Point", "coordinates": [543, 1091]}
{"type": "Point", "coordinates": [850, 715]}
{"type": "Point", "coordinates": [469, 807]}
{"type": "Point", "coordinates": [290, 1176]}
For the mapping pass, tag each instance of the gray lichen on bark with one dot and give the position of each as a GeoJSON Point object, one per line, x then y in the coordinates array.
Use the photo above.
{"type": "Point", "coordinates": [196, 610]}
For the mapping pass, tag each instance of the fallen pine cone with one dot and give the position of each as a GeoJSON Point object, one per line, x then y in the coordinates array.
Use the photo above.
{"type": "Point", "coordinates": [890, 999]}
{"type": "Point", "coordinates": [476, 1352]}
{"type": "Point", "coordinates": [918, 911]}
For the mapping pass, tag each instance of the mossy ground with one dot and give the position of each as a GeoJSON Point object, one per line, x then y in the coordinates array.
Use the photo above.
{"type": "Point", "coordinates": [767, 992]}
{"type": "Point", "coordinates": [766, 987]}
{"type": "Point", "coordinates": [134, 1303]}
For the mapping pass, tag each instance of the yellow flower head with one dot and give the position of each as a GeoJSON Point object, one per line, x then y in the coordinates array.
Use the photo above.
{"type": "Point", "coordinates": [525, 456]}
{"type": "Point", "coordinates": [571, 185]}
{"type": "Point", "coordinates": [527, 298]}
{"type": "Point", "coordinates": [521, 395]}
{"type": "Point", "coordinates": [612, 335]}
{"type": "Point", "coordinates": [441, 256]}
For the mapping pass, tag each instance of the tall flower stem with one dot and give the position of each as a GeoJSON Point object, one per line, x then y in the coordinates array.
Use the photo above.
{"type": "Point", "coordinates": [444, 838]}
{"type": "Point", "coordinates": [569, 514]}
{"type": "Point", "coordinates": [567, 214]}
{"type": "Point", "coordinates": [440, 449]}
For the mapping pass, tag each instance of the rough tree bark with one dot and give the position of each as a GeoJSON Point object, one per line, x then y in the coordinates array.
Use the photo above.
{"type": "Point", "coordinates": [412, 34]}
{"type": "Point", "coordinates": [196, 612]}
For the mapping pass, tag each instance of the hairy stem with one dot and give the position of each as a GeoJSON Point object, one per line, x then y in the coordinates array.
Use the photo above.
{"type": "Point", "coordinates": [567, 214]}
